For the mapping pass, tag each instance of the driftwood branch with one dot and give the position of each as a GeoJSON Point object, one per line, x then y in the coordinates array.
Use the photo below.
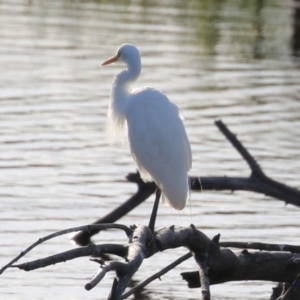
{"type": "Point", "coordinates": [277, 266]}
{"type": "Point", "coordinates": [262, 246]}
{"type": "Point", "coordinates": [216, 264]}
{"type": "Point", "coordinates": [257, 182]}
{"type": "Point", "coordinates": [86, 228]}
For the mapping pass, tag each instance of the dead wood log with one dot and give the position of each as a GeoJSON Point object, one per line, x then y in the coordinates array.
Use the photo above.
{"type": "Point", "coordinates": [266, 266]}
{"type": "Point", "coordinates": [216, 264]}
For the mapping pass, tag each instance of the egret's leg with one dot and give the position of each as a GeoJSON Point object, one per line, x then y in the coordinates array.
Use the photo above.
{"type": "Point", "coordinates": [154, 210]}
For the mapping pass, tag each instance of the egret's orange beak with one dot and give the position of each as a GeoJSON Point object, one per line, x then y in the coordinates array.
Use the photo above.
{"type": "Point", "coordinates": [110, 60]}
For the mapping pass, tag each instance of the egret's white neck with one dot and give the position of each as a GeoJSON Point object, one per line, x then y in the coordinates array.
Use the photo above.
{"type": "Point", "coordinates": [120, 93]}
{"type": "Point", "coordinates": [122, 86]}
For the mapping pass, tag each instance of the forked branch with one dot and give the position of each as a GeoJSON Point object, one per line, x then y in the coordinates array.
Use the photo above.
{"type": "Point", "coordinates": [257, 182]}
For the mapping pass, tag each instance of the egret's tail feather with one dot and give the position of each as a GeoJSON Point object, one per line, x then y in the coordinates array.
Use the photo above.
{"type": "Point", "coordinates": [176, 194]}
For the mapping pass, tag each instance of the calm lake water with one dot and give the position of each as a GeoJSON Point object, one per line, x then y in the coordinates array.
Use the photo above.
{"type": "Point", "coordinates": [229, 60]}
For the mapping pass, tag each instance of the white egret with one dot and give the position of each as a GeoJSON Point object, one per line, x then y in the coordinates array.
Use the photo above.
{"type": "Point", "coordinates": [157, 137]}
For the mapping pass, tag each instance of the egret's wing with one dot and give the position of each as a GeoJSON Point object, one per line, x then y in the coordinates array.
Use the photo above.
{"type": "Point", "coordinates": [159, 143]}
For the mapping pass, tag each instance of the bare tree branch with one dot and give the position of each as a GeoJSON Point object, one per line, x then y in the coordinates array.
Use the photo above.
{"type": "Point", "coordinates": [257, 182]}
{"type": "Point", "coordinates": [254, 166]}
{"type": "Point", "coordinates": [262, 246]}
{"type": "Point", "coordinates": [86, 228]}
{"type": "Point", "coordinates": [90, 250]}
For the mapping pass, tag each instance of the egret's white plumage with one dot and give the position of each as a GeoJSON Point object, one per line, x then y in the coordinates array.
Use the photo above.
{"type": "Point", "coordinates": [157, 137]}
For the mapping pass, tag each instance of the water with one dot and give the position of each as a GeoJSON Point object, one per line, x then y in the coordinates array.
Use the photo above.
{"type": "Point", "coordinates": [226, 60]}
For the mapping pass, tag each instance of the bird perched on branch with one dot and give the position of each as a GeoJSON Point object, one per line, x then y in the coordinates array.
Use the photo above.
{"type": "Point", "coordinates": [158, 141]}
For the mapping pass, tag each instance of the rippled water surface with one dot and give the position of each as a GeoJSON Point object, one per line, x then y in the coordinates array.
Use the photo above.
{"type": "Point", "coordinates": [229, 60]}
